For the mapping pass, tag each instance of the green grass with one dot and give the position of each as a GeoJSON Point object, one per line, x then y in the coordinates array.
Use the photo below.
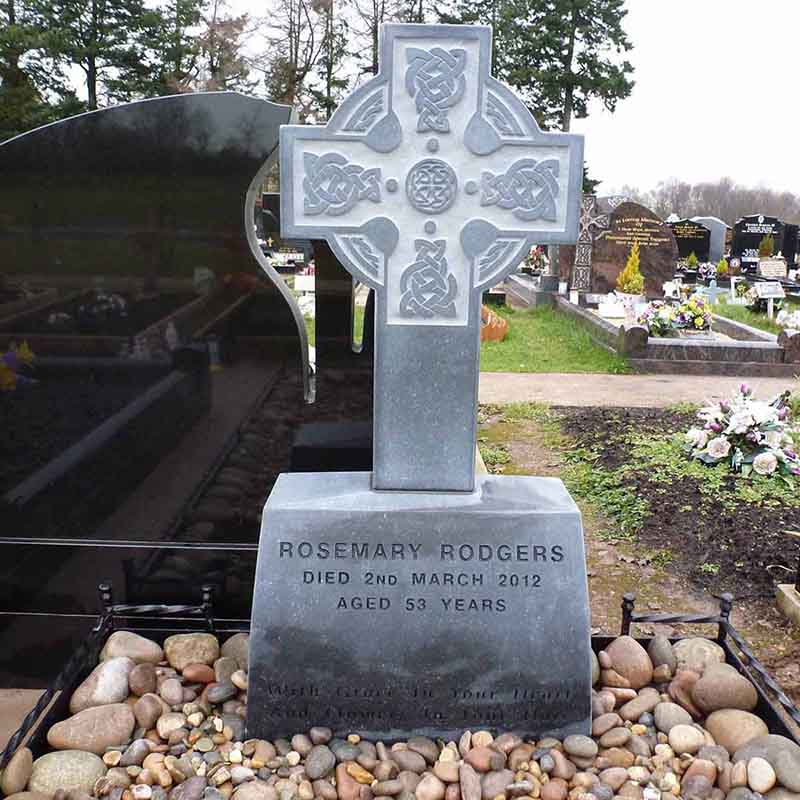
{"type": "Point", "coordinates": [748, 317]}
{"type": "Point", "coordinates": [544, 340]}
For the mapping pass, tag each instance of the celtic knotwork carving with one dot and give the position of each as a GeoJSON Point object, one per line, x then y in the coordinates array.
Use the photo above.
{"type": "Point", "coordinates": [502, 117]}
{"type": "Point", "coordinates": [435, 79]}
{"type": "Point", "coordinates": [590, 224]}
{"type": "Point", "coordinates": [499, 252]}
{"type": "Point", "coordinates": [528, 187]}
{"type": "Point", "coordinates": [332, 186]}
{"type": "Point", "coordinates": [431, 186]}
{"type": "Point", "coordinates": [428, 289]}
{"type": "Point", "coordinates": [366, 113]}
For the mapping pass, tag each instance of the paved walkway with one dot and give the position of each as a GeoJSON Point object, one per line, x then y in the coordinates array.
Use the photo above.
{"type": "Point", "coordinates": [642, 391]}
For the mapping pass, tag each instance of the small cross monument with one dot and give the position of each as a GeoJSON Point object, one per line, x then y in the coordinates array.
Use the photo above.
{"type": "Point", "coordinates": [430, 183]}
{"type": "Point", "coordinates": [452, 601]}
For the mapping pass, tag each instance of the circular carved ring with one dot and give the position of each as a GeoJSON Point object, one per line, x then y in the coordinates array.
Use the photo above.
{"type": "Point", "coordinates": [431, 186]}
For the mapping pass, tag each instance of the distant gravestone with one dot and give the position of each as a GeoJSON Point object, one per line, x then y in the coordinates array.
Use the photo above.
{"type": "Point", "coordinates": [658, 251]}
{"type": "Point", "coordinates": [691, 237]}
{"type": "Point", "coordinates": [748, 233]}
{"type": "Point", "coordinates": [718, 244]}
{"type": "Point", "coordinates": [391, 603]}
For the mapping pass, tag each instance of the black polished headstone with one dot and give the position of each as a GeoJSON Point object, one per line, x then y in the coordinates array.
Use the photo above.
{"type": "Point", "coordinates": [691, 237]}
{"type": "Point", "coordinates": [389, 613]}
{"type": "Point", "coordinates": [748, 233]}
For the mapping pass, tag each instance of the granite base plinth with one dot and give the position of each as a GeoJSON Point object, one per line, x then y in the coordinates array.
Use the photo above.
{"type": "Point", "coordinates": [391, 613]}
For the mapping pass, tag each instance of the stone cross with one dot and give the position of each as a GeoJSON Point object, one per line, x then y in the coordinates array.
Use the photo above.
{"type": "Point", "coordinates": [591, 223]}
{"type": "Point", "coordinates": [430, 183]}
{"type": "Point", "coordinates": [712, 292]}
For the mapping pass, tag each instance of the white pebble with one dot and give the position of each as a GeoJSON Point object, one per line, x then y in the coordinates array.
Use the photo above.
{"type": "Point", "coordinates": [760, 775]}
{"type": "Point", "coordinates": [293, 758]}
{"type": "Point", "coordinates": [142, 791]}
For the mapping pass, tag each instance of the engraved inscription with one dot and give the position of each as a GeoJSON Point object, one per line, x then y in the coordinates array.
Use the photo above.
{"type": "Point", "coordinates": [435, 79]}
{"type": "Point", "coordinates": [428, 289]}
{"type": "Point", "coordinates": [333, 186]}
{"type": "Point", "coordinates": [529, 188]}
{"type": "Point", "coordinates": [431, 186]}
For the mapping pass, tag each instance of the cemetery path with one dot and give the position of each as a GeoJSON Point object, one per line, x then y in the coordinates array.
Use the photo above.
{"type": "Point", "coordinates": [629, 391]}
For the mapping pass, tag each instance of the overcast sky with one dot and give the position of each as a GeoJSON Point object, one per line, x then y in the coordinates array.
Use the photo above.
{"type": "Point", "coordinates": [716, 94]}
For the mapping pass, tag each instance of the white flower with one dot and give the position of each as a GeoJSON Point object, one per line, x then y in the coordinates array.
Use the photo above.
{"type": "Point", "coordinates": [696, 437]}
{"type": "Point", "coordinates": [762, 412]}
{"type": "Point", "coordinates": [765, 463]}
{"type": "Point", "coordinates": [773, 439]}
{"type": "Point", "coordinates": [719, 447]}
{"type": "Point", "coordinates": [740, 422]}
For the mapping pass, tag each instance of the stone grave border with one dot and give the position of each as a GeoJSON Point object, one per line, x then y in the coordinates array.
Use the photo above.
{"type": "Point", "coordinates": [753, 353]}
{"type": "Point", "coordinates": [159, 621]}
{"type": "Point", "coordinates": [154, 421]}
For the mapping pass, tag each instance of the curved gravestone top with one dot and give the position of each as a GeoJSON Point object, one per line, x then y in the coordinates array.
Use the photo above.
{"type": "Point", "coordinates": [658, 251]}
{"type": "Point", "coordinates": [148, 189]}
{"type": "Point", "coordinates": [692, 236]}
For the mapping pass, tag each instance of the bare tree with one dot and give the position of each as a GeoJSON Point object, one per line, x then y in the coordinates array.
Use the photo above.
{"type": "Point", "coordinates": [369, 14]}
{"type": "Point", "coordinates": [724, 199]}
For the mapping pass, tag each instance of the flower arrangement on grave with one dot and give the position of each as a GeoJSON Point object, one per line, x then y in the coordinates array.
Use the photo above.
{"type": "Point", "coordinates": [631, 280]}
{"type": "Point", "coordinates": [766, 247]}
{"type": "Point", "coordinates": [15, 363]}
{"type": "Point", "coordinates": [659, 318]}
{"type": "Point", "coordinates": [788, 319]}
{"type": "Point", "coordinates": [707, 271]}
{"type": "Point", "coordinates": [693, 314]}
{"type": "Point", "coordinates": [722, 268]}
{"type": "Point", "coordinates": [742, 289]}
{"type": "Point", "coordinates": [747, 434]}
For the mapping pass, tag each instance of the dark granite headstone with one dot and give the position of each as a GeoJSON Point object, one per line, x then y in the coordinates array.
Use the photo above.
{"type": "Point", "coordinates": [691, 237]}
{"type": "Point", "coordinates": [658, 252]}
{"type": "Point", "coordinates": [748, 233]}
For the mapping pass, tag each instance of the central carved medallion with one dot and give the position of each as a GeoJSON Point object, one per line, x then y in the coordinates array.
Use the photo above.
{"type": "Point", "coordinates": [431, 186]}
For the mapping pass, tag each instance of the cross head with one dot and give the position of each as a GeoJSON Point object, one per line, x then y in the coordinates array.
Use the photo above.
{"type": "Point", "coordinates": [431, 183]}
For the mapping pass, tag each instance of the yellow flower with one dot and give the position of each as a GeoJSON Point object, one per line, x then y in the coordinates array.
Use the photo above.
{"type": "Point", "coordinates": [8, 380]}
{"type": "Point", "coordinates": [24, 353]}
{"type": "Point", "coordinates": [698, 322]}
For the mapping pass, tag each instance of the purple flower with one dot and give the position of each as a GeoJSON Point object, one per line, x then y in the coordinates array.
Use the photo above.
{"type": "Point", "coordinates": [744, 389]}
{"type": "Point", "coordinates": [716, 427]}
{"type": "Point", "coordinates": [783, 413]}
{"type": "Point", "coordinates": [723, 406]}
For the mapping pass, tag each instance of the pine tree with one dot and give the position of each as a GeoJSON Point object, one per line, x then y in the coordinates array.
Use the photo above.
{"type": "Point", "coordinates": [558, 55]}
{"type": "Point", "coordinates": [631, 280]}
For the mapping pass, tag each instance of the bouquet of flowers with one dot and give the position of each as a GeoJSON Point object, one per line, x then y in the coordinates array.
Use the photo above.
{"type": "Point", "coordinates": [742, 289]}
{"type": "Point", "coordinates": [789, 319]}
{"type": "Point", "coordinates": [658, 318]}
{"type": "Point", "coordinates": [749, 435]}
{"type": "Point", "coordinates": [707, 271]}
{"type": "Point", "coordinates": [693, 314]}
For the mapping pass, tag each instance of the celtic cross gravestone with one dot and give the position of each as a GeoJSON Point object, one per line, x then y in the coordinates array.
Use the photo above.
{"type": "Point", "coordinates": [430, 183]}
{"type": "Point", "coordinates": [450, 601]}
{"type": "Point", "coordinates": [591, 223]}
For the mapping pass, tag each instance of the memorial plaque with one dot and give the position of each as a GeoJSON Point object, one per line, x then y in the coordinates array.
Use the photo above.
{"type": "Point", "coordinates": [691, 237]}
{"type": "Point", "coordinates": [421, 598]}
{"type": "Point", "coordinates": [772, 268]}
{"type": "Point", "coordinates": [770, 290]}
{"type": "Point", "coordinates": [387, 613]}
